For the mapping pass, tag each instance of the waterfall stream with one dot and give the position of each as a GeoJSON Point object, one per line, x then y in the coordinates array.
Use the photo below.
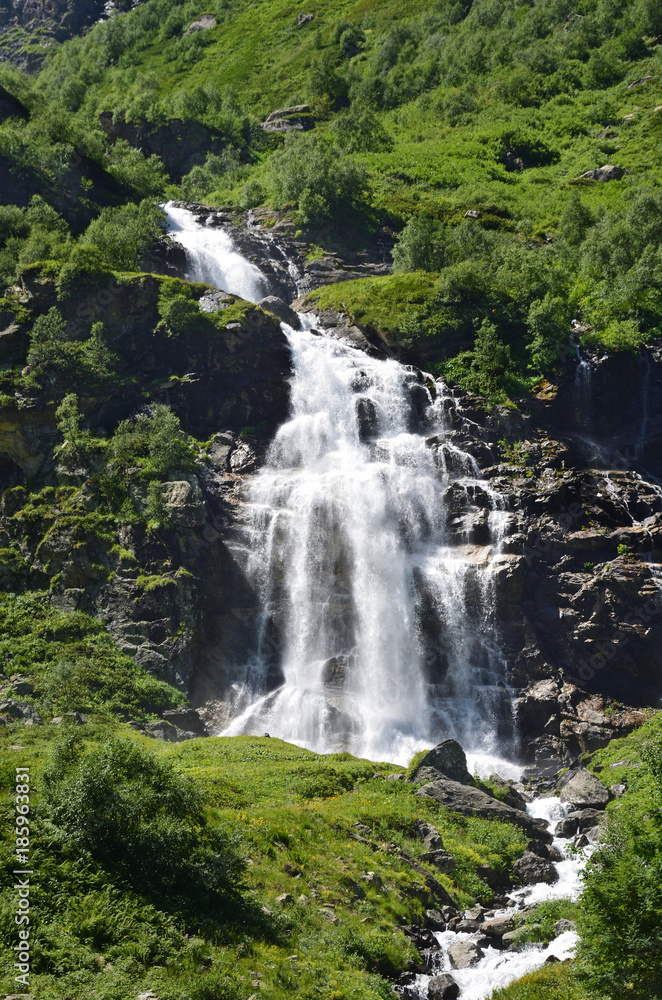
{"type": "Point", "coordinates": [373, 545]}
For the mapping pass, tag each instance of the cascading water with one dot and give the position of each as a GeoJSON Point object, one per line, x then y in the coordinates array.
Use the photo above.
{"type": "Point", "coordinates": [212, 258]}
{"type": "Point", "coordinates": [383, 625]}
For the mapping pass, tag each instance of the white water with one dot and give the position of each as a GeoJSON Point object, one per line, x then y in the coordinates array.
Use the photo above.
{"type": "Point", "coordinates": [499, 968]}
{"type": "Point", "coordinates": [212, 257]}
{"type": "Point", "coordinates": [348, 548]}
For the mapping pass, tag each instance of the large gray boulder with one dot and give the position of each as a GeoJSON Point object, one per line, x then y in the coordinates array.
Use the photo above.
{"type": "Point", "coordinates": [443, 987]}
{"type": "Point", "coordinates": [279, 308]}
{"type": "Point", "coordinates": [584, 791]}
{"type": "Point", "coordinates": [448, 758]}
{"type": "Point", "coordinates": [464, 954]}
{"type": "Point", "coordinates": [530, 869]}
{"type": "Point", "coordinates": [607, 173]}
{"type": "Point", "coordinates": [469, 801]}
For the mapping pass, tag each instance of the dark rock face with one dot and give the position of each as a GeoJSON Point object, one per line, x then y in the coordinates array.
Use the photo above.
{"type": "Point", "coordinates": [181, 145]}
{"type": "Point", "coordinates": [50, 19]}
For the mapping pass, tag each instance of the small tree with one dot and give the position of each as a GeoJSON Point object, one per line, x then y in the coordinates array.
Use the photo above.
{"type": "Point", "coordinates": [74, 450]}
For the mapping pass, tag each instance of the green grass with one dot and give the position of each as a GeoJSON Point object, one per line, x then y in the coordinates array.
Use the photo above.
{"type": "Point", "coordinates": [377, 303]}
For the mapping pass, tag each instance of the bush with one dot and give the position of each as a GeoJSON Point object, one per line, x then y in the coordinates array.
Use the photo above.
{"type": "Point", "coordinates": [422, 246]}
{"type": "Point", "coordinates": [313, 174]}
{"type": "Point", "coordinates": [360, 131]}
{"type": "Point", "coordinates": [143, 823]}
{"type": "Point", "coordinates": [124, 235]}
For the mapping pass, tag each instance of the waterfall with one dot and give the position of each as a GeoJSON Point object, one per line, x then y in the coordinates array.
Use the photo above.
{"type": "Point", "coordinates": [583, 393]}
{"type": "Point", "coordinates": [384, 623]}
{"type": "Point", "coordinates": [369, 539]}
{"type": "Point", "coordinates": [212, 258]}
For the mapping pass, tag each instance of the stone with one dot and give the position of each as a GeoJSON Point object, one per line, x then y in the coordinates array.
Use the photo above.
{"type": "Point", "coordinates": [304, 19]}
{"type": "Point", "coordinates": [429, 835]}
{"type": "Point", "coordinates": [149, 995]}
{"type": "Point", "coordinates": [562, 926]}
{"type": "Point", "coordinates": [442, 860]}
{"type": "Point", "coordinates": [448, 758]}
{"type": "Point", "coordinates": [583, 790]}
{"type": "Point", "coordinates": [464, 954]}
{"type": "Point", "coordinates": [472, 214]}
{"type": "Point", "coordinates": [507, 793]}
{"type": "Point", "coordinates": [279, 308]}
{"type": "Point", "coordinates": [373, 879]}
{"type": "Point", "coordinates": [435, 920]}
{"type": "Point", "coordinates": [397, 776]}
{"type": "Point", "coordinates": [220, 449]}
{"type": "Point", "coordinates": [203, 23]}
{"type": "Point", "coordinates": [467, 927]}
{"type": "Point", "coordinates": [184, 503]}
{"type": "Point", "coordinates": [285, 900]}
{"type": "Point", "coordinates": [616, 791]}
{"type": "Point", "coordinates": [497, 927]}
{"type": "Point", "coordinates": [80, 720]}
{"type": "Point", "coordinates": [607, 173]}
{"type": "Point", "coordinates": [443, 987]}
{"type": "Point", "coordinates": [509, 939]}
{"type": "Point", "coordinates": [638, 83]}
{"type": "Point", "coordinates": [330, 917]}
{"type": "Point", "coordinates": [530, 869]}
{"type": "Point", "coordinates": [56, 720]}
{"type": "Point", "coordinates": [187, 719]}
{"type": "Point", "coordinates": [469, 801]}
{"type": "Point", "coordinates": [21, 686]}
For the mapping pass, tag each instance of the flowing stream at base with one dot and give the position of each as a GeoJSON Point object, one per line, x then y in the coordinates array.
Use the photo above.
{"type": "Point", "coordinates": [373, 544]}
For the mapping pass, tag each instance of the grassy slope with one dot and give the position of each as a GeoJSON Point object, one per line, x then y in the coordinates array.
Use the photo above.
{"type": "Point", "coordinates": [296, 812]}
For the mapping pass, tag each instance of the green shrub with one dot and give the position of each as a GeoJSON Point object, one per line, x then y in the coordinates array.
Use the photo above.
{"type": "Point", "coordinates": [142, 823]}
{"type": "Point", "coordinates": [311, 173]}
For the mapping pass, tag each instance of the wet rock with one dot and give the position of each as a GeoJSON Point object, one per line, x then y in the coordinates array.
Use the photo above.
{"type": "Point", "coordinates": [584, 790]}
{"type": "Point", "coordinates": [278, 307]}
{"type": "Point", "coordinates": [434, 919]}
{"type": "Point", "coordinates": [464, 954]}
{"type": "Point", "coordinates": [443, 987]}
{"type": "Point", "coordinates": [531, 869]}
{"type": "Point", "coordinates": [497, 927]}
{"type": "Point", "coordinates": [449, 759]}
{"type": "Point", "coordinates": [469, 801]}
{"type": "Point", "coordinates": [607, 173]}
{"type": "Point", "coordinates": [467, 926]}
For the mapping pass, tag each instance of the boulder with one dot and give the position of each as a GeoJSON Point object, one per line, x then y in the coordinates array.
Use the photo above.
{"type": "Point", "coordinates": [464, 954]}
{"type": "Point", "coordinates": [497, 927]}
{"type": "Point", "coordinates": [279, 308]}
{"type": "Point", "coordinates": [304, 19]}
{"type": "Point", "coordinates": [530, 869]}
{"type": "Point", "coordinates": [443, 987]}
{"type": "Point", "coordinates": [203, 23]}
{"type": "Point", "coordinates": [184, 503]}
{"type": "Point", "coordinates": [607, 173]}
{"type": "Point", "coordinates": [187, 719]}
{"type": "Point", "coordinates": [583, 790]}
{"type": "Point", "coordinates": [562, 926]}
{"type": "Point", "coordinates": [429, 835]}
{"type": "Point", "coordinates": [442, 860]}
{"type": "Point", "coordinates": [469, 801]}
{"type": "Point", "coordinates": [448, 758]}
{"type": "Point", "coordinates": [435, 920]}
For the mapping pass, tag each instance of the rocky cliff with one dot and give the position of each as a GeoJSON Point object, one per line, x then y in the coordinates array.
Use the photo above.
{"type": "Point", "coordinates": [577, 572]}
